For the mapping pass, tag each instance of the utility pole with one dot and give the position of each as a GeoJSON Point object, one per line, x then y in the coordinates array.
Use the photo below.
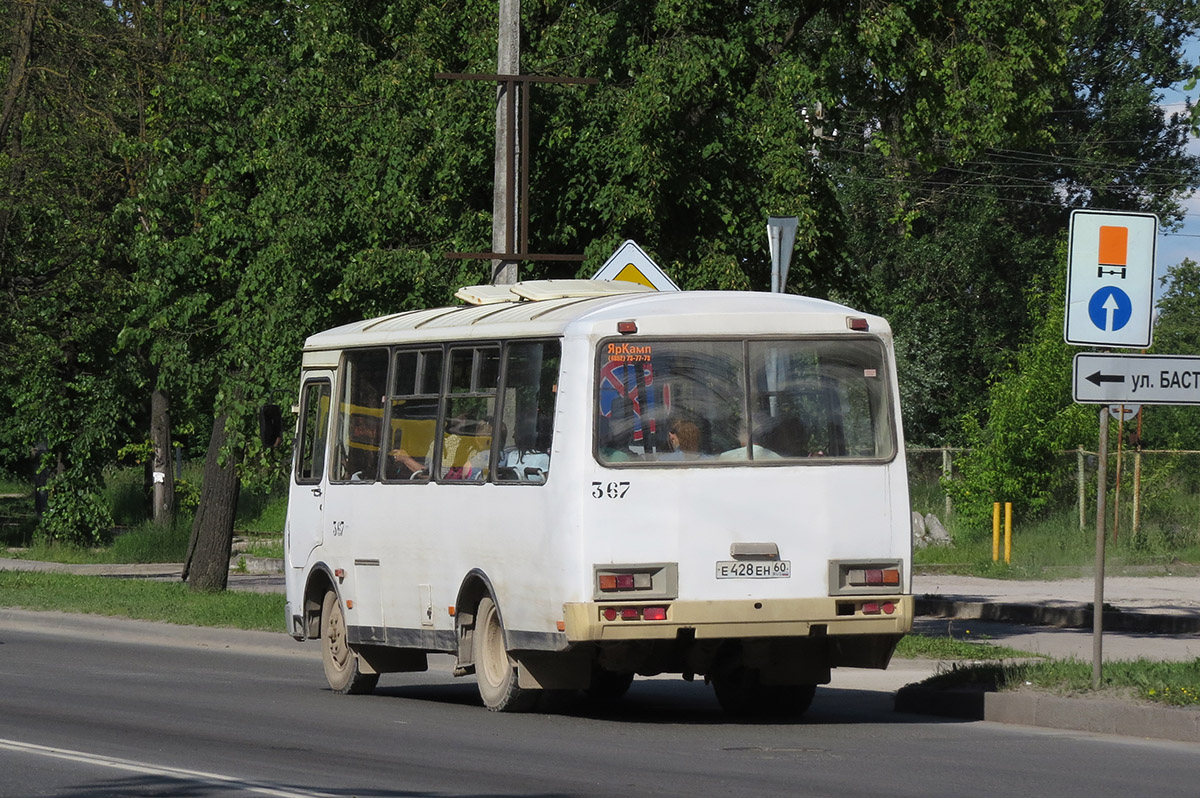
{"type": "Point", "coordinates": [510, 193]}
{"type": "Point", "coordinates": [509, 156]}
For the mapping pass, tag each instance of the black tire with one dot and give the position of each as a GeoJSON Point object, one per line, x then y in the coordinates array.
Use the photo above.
{"type": "Point", "coordinates": [495, 671]}
{"type": "Point", "coordinates": [742, 694]}
{"type": "Point", "coordinates": [607, 686]}
{"type": "Point", "coordinates": [342, 665]}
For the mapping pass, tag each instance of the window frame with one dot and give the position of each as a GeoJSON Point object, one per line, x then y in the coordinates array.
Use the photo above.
{"type": "Point", "coordinates": [887, 402]}
{"type": "Point", "coordinates": [303, 432]}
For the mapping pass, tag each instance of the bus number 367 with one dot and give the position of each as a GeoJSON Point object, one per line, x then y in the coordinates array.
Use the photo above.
{"type": "Point", "coordinates": [609, 490]}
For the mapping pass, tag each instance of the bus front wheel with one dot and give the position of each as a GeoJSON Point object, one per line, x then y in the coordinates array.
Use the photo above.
{"type": "Point", "coordinates": [342, 665]}
{"type": "Point", "coordinates": [495, 670]}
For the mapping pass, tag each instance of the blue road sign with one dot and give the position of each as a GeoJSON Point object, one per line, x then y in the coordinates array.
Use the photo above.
{"type": "Point", "coordinates": [1110, 309]}
{"type": "Point", "coordinates": [1110, 280]}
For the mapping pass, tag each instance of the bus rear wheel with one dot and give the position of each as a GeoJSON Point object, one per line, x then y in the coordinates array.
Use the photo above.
{"type": "Point", "coordinates": [342, 665]}
{"type": "Point", "coordinates": [607, 686]}
{"type": "Point", "coordinates": [495, 671]}
{"type": "Point", "coordinates": [741, 693]}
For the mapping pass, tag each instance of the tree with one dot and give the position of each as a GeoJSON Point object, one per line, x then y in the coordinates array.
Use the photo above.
{"type": "Point", "coordinates": [62, 267]}
{"type": "Point", "coordinates": [1177, 332]}
{"type": "Point", "coordinates": [954, 244]}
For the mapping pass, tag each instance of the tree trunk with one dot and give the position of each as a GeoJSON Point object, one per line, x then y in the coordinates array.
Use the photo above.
{"type": "Point", "coordinates": [162, 469]}
{"type": "Point", "coordinates": [22, 47]}
{"type": "Point", "coordinates": [207, 565]}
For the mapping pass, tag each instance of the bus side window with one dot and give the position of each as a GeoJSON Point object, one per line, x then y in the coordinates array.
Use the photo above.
{"type": "Point", "coordinates": [416, 386]}
{"type": "Point", "coordinates": [527, 412]}
{"type": "Point", "coordinates": [314, 432]}
{"type": "Point", "coordinates": [466, 440]}
{"type": "Point", "coordinates": [360, 415]}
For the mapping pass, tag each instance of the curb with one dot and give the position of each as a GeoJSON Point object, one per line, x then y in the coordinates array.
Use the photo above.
{"type": "Point", "coordinates": [1030, 708]}
{"type": "Point", "coordinates": [1076, 617]}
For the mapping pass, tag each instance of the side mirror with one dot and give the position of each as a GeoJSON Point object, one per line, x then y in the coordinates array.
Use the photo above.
{"type": "Point", "coordinates": [270, 426]}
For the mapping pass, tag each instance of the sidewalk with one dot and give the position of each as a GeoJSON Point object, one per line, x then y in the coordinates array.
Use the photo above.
{"type": "Point", "coordinates": [1145, 617]}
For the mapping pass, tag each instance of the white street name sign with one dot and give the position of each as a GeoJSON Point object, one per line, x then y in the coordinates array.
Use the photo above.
{"type": "Point", "coordinates": [1136, 379]}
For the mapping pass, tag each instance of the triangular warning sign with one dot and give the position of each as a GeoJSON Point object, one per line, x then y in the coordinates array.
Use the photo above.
{"type": "Point", "coordinates": [630, 264]}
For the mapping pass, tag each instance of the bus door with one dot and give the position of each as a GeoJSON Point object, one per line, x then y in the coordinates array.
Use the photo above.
{"type": "Point", "coordinates": [310, 480]}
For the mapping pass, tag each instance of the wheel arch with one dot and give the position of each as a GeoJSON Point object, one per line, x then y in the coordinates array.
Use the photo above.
{"type": "Point", "coordinates": [474, 587]}
{"type": "Point", "coordinates": [320, 581]}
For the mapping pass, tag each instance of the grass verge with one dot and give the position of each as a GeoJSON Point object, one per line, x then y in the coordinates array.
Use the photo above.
{"type": "Point", "coordinates": [948, 648]}
{"type": "Point", "coordinates": [142, 599]}
{"type": "Point", "coordinates": [1171, 683]}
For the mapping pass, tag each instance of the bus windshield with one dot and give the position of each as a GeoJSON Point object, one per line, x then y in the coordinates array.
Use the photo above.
{"type": "Point", "coordinates": [742, 401]}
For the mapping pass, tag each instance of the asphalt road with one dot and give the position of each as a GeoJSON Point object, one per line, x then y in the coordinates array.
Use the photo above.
{"type": "Point", "coordinates": [92, 708]}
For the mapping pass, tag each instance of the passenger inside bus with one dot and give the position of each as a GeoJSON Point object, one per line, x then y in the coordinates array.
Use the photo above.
{"type": "Point", "coordinates": [464, 456]}
{"type": "Point", "coordinates": [684, 438]}
{"type": "Point", "coordinates": [786, 436]}
{"type": "Point", "coordinates": [529, 459]}
{"type": "Point", "coordinates": [744, 451]}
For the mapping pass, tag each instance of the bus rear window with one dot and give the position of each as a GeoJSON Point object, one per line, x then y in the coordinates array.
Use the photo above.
{"type": "Point", "coordinates": [760, 401]}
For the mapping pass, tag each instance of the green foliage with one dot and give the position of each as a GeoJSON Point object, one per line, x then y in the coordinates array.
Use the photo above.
{"type": "Point", "coordinates": [76, 513]}
{"type": "Point", "coordinates": [1030, 416]}
{"type": "Point", "coordinates": [1177, 332]}
{"type": "Point", "coordinates": [191, 190]}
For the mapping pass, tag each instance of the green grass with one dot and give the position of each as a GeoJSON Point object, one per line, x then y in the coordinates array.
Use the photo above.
{"type": "Point", "coordinates": [15, 486]}
{"type": "Point", "coordinates": [146, 543]}
{"type": "Point", "coordinates": [142, 599]}
{"type": "Point", "coordinates": [1056, 542]}
{"type": "Point", "coordinates": [947, 648]}
{"type": "Point", "coordinates": [262, 514]}
{"type": "Point", "coordinates": [1173, 683]}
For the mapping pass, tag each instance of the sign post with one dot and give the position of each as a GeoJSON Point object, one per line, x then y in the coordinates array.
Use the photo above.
{"type": "Point", "coordinates": [1110, 303]}
{"type": "Point", "coordinates": [781, 240]}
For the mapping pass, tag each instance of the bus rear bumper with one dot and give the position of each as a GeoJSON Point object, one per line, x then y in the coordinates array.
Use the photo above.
{"type": "Point", "coordinates": [739, 618]}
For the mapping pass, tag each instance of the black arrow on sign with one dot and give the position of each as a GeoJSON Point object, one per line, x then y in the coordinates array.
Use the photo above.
{"type": "Point", "coordinates": [1098, 378]}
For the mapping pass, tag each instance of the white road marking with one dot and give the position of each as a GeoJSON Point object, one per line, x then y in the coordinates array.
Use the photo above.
{"type": "Point", "coordinates": [214, 779]}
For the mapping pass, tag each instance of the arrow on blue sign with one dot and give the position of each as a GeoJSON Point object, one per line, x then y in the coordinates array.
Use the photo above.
{"type": "Point", "coordinates": [1110, 308]}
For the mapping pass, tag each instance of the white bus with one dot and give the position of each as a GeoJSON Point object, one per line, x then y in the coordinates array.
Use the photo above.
{"type": "Point", "coordinates": [566, 483]}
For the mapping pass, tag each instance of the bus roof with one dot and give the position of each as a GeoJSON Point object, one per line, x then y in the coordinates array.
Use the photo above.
{"type": "Point", "coordinates": [595, 310]}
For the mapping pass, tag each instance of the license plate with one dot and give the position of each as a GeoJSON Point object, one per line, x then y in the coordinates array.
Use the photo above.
{"type": "Point", "coordinates": [752, 569]}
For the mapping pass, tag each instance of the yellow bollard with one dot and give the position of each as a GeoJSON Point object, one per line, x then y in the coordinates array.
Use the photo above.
{"type": "Point", "coordinates": [995, 531]}
{"type": "Point", "coordinates": [1007, 532]}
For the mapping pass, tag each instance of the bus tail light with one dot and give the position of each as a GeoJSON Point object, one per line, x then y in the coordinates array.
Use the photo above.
{"type": "Point", "coordinates": [873, 577]}
{"type": "Point", "coordinates": [624, 581]}
{"type": "Point", "coordinates": [634, 613]}
{"type": "Point", "coordinates": [850, 608]}
{"type": "Point", "coordinates": [649, 581]}
{"type": "Point", "coordinates": [861, 577]}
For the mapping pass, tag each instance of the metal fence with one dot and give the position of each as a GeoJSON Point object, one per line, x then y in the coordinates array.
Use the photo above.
{"type": "Point", "coordinates": [1148, 489]}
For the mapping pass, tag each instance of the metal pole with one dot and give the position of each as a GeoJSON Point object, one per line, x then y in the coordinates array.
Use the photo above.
{"type": "Point", "coordinates": [1080, 476]}
{"type": "Point", "coordinates": [1137, 478]}
{"type": "Point", "coordinates": [1098, 599]}
{"type": "Point", "coordinates": [1117, 487]}
{"type": "Point", "coordinates": [504, 211]}
{"type": "Point", "coordinates": [947, 470]}
{"type": "Point", "coordinates": [1007, 533]}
